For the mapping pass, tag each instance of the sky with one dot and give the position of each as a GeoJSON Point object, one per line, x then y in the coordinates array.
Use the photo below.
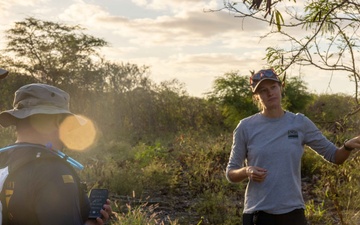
{"type": "Point", "coordinates": [177, 39]}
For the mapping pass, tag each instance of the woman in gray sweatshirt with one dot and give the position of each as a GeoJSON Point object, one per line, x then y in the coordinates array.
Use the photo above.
{"type": "Point", "coordinates": [267, 149]}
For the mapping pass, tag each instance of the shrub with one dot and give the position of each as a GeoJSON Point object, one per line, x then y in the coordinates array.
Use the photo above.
{"type": "Point", "coordinates": [218, 208]}
{"type": "Point", "coordinates": [338, 189]}
{"type": "Point", "coordinates": [142, 215]}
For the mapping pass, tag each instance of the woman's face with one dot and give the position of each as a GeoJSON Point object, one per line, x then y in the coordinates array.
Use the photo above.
{"type": "Point", "coordinates": [268, 94]}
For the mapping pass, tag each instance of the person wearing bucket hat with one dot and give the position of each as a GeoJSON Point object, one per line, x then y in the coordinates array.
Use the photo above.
{"type": "Point", "coordinates": [267, 150]}
{"type": "Point", "coordinates": [35, 99]}
{"type": "Point", "coordinates": [38, 182]}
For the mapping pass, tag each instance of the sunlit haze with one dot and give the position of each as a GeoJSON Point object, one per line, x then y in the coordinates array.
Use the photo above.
{"type": "Point", "coordinates": [176, 38]}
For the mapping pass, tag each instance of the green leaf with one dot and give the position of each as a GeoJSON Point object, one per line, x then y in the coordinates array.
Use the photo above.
{"type": "Point", "coordinates": [279, 20]}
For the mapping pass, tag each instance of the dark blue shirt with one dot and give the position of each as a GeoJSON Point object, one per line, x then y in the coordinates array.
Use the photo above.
{"type": "Point", "coordinates": [44, 191]}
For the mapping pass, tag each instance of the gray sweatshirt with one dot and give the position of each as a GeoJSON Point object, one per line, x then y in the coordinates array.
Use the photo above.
{"type": "Point", "coordinates": [276, 145]}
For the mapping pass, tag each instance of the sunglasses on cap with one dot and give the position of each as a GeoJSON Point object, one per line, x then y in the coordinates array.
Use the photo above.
{"type": "Point", "coordinates": [268, 74]}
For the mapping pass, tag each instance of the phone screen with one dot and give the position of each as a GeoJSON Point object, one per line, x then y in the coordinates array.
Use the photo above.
{"type": "Point", "coordinates": [97, 199]}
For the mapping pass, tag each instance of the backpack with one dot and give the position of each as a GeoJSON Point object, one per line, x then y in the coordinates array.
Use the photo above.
{"type": "Point", "coordinates": [33, 154]}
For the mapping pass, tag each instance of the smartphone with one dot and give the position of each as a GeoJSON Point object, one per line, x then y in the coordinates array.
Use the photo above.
{"type": "Point", "coordinates": [97, 199]}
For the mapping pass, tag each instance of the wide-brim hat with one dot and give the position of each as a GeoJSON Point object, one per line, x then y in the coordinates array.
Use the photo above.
{"type": "Point", "coordinates": [35, 99]}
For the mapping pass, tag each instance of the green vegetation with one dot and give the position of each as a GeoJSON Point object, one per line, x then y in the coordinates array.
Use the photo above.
{"type": "Point", "coordinates": [325, 39]}
{"type": "Point", "coordinates": [163, 153]}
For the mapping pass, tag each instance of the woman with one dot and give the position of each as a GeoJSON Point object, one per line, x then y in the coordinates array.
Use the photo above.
{"type": "Point", "coordinates": [271, 143]}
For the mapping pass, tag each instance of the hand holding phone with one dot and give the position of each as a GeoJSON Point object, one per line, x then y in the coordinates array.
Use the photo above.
{"type": "Point", "coordinates": [97, 199]}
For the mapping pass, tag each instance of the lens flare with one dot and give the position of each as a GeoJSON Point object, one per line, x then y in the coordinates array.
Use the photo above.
{"type": "Point", "coordinates": [77, 133]}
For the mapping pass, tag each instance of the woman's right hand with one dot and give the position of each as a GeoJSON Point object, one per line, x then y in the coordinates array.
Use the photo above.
{"type": "Point", "coordinates": [256, 174]}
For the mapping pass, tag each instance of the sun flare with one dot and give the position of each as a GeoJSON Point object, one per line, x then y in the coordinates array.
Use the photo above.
{"type": "Point", "coordinates": [77, 133]}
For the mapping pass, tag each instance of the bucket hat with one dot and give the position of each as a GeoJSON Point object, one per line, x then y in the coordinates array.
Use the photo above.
{"type": "Point", "coordinates": [38, 98]}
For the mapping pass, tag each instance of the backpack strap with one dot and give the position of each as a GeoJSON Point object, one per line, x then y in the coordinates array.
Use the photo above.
{"type": "Point", "coordinates": [39, 152]}
{"type": "Point", "coordinates": [49, 148]}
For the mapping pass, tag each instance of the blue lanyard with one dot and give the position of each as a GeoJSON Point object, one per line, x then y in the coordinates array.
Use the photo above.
{"type": "Point", "coordinates": [59, 153]}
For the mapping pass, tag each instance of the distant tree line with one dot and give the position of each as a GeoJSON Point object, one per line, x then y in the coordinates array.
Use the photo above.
{"type": "Point", "coordinates": [123, 100]}
{"type": "Point", "coordinates": [120, 97]}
